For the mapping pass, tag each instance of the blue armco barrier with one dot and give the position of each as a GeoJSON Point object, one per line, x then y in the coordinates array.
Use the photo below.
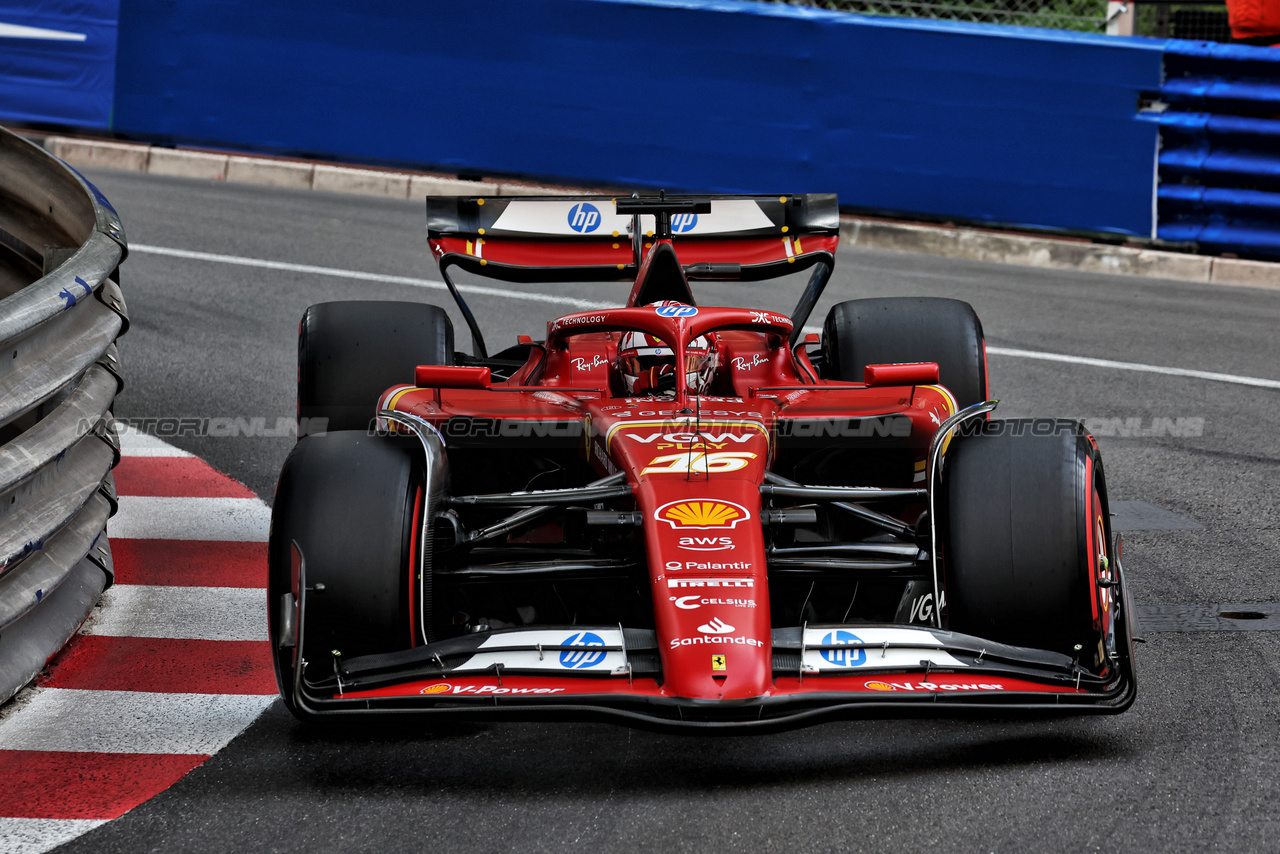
{"type": "Point", "coordinates": [934, 119]}
{"type": "Point", "coordinates": [1220, 152]}
{"type": "Point", "coordinates": [58, 61]}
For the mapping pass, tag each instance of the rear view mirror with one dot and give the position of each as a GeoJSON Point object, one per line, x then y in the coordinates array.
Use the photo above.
{"type": "Point", "coordinates": [906, 373]}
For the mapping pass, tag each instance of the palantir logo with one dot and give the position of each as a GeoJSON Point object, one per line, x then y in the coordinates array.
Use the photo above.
{"type": "Point", "coordinates": [843, 657]}
{"type": "Point", "coordinates": [682, 222]}
{"type": "Point", "coordinates": [584, 217]}
{"type": "Point", "coordinates": [586, 655]}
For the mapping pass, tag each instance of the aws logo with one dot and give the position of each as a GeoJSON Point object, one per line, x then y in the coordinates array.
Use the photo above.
{"type": "Point", "coordinates": [706, 544]}
{"type": "Point", "coordinates": [702, 513]}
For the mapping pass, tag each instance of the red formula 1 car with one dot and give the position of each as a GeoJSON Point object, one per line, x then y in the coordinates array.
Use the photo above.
{"type": "Point", "coordinates": [676, 515]}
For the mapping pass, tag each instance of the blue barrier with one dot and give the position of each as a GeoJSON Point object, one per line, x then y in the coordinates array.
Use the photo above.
{"type": "Point", "coordinates": [919, 118]}
{"type": "Point", "coordinates": [1220, 148]}
{"type": "Point", "coordinates": [58, 61]}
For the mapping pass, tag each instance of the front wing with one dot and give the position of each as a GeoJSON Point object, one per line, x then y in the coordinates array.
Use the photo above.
{"type": "Point", "coordinates": [820, 673]}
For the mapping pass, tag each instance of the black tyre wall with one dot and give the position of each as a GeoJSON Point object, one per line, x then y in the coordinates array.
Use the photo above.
{"type": "Point", "coordinates": [351, 352]}
{"type": "Point", "coordinates": [347, 499]}
{"type": "Point", "coordinates": [886, 330]}
{"type": "Point", "coordinates": [1015, 527]}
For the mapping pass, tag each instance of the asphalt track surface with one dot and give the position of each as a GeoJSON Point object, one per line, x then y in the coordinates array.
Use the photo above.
{"type": "Point", "coordinates": [1192, 767]}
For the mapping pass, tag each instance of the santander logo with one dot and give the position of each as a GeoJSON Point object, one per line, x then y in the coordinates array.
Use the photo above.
{"type": "Point", "coordinates": [715, 626]}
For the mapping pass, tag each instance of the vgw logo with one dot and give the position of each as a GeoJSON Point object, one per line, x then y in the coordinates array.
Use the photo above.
{"type": "Point", "coordinates": [676, 310]}
{"type": "Point", "coordinates": [682, 222]}
{"type": "Point", "coordinates": [843, 657]}
{"type": "Point", "coordinates": [584, 657]}
{"type": "Point", "coordinates": [584, 218]}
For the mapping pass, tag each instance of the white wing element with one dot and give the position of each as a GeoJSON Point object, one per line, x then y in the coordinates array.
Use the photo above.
{"type": "Point", "coordinates": [873, 648]}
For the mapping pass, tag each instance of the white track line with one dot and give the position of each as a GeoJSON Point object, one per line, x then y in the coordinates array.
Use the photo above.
{"type": "Point", "coordinates": [222, 519]}
{"type": "Point", "coordinates": [129, 721]}
{"type": "Point", "coordinates": [367, 277]}
{"type": "Point", "coordinates": [589, 304]}
{"type": "Point", "coordinates": [1134, 366]}
{"type": "Point", "coordinates": [32, 835]}
{"type": "Point", "coordinates": [1257, 382]}
{"type": "Point", "coordinates": [199, 613]}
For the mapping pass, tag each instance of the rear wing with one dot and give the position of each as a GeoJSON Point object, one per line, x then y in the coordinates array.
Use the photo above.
{"type": "Point", "coordinates": [585, 238]}
{"type": "Point", "coordinates": [606, 238]}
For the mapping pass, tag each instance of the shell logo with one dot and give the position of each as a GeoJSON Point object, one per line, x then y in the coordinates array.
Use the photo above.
{"type": "Point", "coordinates": [438, 688]}
{"type": "Point", "coordinates": [880, 686]}
{"type": "Point", "coordinates": [702, 513]}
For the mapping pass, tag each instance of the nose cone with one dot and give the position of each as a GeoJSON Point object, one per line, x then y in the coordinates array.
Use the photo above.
{"type": "Point", "coordinates": [710, 587]}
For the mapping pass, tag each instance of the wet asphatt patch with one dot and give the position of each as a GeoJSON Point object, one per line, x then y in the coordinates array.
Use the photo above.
{"type": "Point", "coordinates": [1254, 617]}
{"type": "Point", "coordinates": [1141, 516]}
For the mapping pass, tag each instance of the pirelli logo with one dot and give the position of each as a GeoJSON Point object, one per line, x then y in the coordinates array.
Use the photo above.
{"type": "Point", "coordinates": [673, 583]}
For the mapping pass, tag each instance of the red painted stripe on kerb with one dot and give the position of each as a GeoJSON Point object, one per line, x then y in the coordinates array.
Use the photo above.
{"type": "Point", "coordinates": [175, 477]}
{"type": "Point", "coordinates": [57, 784]}
{"type": "Point", "coordinates": [190, 563]}
{"type": "Point", "coordinates": [163, 665]}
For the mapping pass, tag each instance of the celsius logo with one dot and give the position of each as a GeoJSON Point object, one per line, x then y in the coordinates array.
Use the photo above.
{"type": "Point", "coordinates": [715, 626]}
{"type": "Point", "coordinates": [843, 657]}
{"type": "Point", "coordinates": [587, 655]}
{"type": "Point", "coordinates": [682, 222]}
{"type": "Point", "coordinates": [676, 310]}
{"type": "Point", "coordinates": [584, 218]}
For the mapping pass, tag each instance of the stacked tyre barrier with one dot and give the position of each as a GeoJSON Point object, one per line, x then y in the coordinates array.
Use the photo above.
{"type": "Point", "coordinates": [61, 310]}
{"type": "Point", "coordinates": [1220, 149]}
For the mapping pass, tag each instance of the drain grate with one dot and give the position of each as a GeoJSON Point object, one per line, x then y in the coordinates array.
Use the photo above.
{"type": "Point", "coordinates": [1253, 617]}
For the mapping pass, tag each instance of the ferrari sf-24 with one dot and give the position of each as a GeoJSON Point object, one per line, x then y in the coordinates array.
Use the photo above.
{"type": "Point", "coordinates": [679, 515]}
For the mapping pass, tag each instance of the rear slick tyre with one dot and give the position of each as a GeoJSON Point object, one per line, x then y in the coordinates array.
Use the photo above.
{"type": "Point", "coordinates": [349, 353]}
{"type": "Point", "coordinates": [350, 502]}
{"type": "Point", "coordinates": [887, 330]}
{"type": "Point", "coordinates": [1026, 538]}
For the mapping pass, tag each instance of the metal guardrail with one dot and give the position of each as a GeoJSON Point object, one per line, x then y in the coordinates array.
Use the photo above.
{"type": "Point", "coordinates": [1220, 148]}
{"type": "Point", "coordinates": [61, 310]}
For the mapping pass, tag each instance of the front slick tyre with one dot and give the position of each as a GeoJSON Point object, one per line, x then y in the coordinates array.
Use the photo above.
{"type": "Point", "coordinates": [350, 501]}
{"type": "Point", "coordinates": [1026, 538]}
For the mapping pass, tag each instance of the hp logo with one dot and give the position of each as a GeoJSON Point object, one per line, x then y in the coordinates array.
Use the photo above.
{"type": "Point", "coordinates": [584, 218]}
{"type": "Point", "coordinates": [843, 657]}
{"type": "Point", "coordinates": [584, 657]}
{"type": "Point", "coordinates": [676, 310]}
{"type": "Point", "coordinates": [683, 222]}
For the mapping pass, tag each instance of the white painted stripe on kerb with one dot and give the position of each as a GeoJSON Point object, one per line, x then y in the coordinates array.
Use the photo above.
{"type": "Point", "coordinates": [195, 613]}
{"type": "Point", "coordinates": [37, 835]}
{"type": "Point", "coordinates": [73, 719]}
{"type": "Point", "coordinates": [480, 290]}
{"type": "Point", "coordinates": [221, 519]}
{"type": "Point", "coordinates": [134, 443]}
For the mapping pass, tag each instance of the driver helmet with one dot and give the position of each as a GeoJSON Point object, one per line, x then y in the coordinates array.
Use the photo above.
{"type": "Point", "coordinates": [647, 364]}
